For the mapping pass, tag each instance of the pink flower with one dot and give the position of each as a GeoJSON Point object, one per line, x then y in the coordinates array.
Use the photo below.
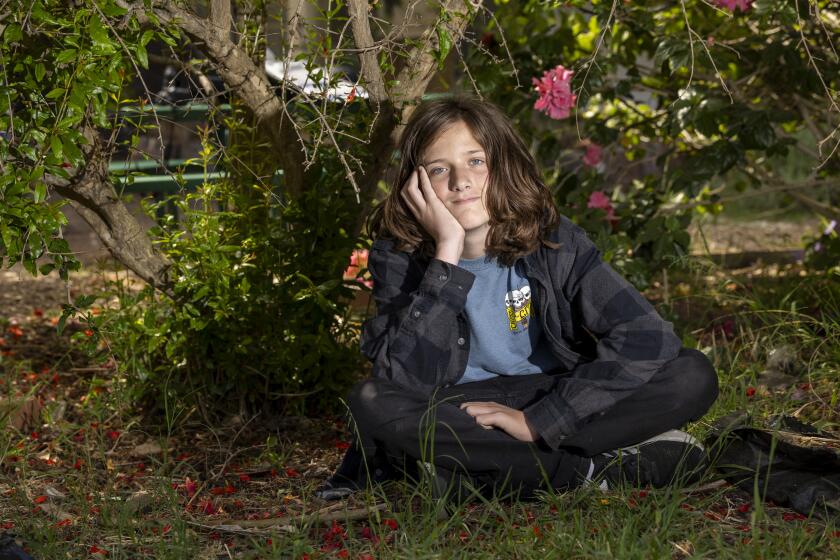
{"type": "Point", "coordinates": [556, 97]}
{"type": "Point", "coordinates": [730, 5]}
{"type": "Point", "coordinates": [597, 199]}
{"type": "Point", "coordinates": [593, 154]}
{"type": "Point", "coordinates": [358, 262]}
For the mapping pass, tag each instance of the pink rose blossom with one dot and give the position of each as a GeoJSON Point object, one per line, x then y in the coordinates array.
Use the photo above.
{"type": "Point", "coordinates": [730, 5]}
{"type": "Point", "coordinates": [556, 97]}
{"type": "Point", "coordinates": [600, 201]}
{"type": "Point", "coordinates": [593, 154]}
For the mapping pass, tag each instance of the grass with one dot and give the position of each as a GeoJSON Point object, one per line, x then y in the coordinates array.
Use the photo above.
{"type": "Point", "coordinates": [89, 482]}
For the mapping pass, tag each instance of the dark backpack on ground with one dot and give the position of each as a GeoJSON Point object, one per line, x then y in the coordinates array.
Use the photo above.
{"type": "Point", "coordinates": [793, 464]}
{"type": "Point", "coordinates": [10, 549]}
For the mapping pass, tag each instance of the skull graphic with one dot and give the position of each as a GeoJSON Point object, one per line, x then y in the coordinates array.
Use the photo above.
{"type": "Point", "coordinates": [518, 298]}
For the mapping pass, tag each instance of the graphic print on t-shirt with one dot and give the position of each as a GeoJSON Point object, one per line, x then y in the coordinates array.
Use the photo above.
{"type": "Point", "coordinates": [518, 306]}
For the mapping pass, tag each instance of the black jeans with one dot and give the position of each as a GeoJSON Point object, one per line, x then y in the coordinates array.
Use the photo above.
{"type": "Point", "coordinates": [393, 420]}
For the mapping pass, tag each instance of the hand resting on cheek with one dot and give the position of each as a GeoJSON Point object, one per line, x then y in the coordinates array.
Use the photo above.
{"type": "Point", "coordinates": [433, 216]}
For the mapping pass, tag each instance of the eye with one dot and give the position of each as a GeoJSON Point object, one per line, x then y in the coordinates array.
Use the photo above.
{"type": "Point", "coordinates": [436, 171]}
{"type": "Point", "coordinates": [476, 162]}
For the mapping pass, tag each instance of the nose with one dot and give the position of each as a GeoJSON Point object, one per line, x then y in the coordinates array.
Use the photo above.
{"type": "Point", "coordinates": [458, 180]}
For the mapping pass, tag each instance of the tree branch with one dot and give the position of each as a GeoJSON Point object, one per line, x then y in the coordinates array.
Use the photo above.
{"type": "Point", "coordinates": [367, 56]}
{"type": "Point", "coordinates": [220, 16]}
{"type": "Point", "coordinates": [413, 80]}
{"type": "Point", "coordinates": [92, 195]}
{"type": "Point", "coordinates": [250, 83]}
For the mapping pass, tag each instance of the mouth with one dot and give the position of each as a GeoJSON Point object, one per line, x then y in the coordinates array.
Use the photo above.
{"type": "Point", "coordinates": [463, 201]}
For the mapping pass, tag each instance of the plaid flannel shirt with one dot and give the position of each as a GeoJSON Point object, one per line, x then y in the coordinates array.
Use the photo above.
{"type": "Point", "coordinates": [609, 339]}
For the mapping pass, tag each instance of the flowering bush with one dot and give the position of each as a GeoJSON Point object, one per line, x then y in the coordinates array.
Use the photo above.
{"type": "Point", "coordinates": [672, 107]}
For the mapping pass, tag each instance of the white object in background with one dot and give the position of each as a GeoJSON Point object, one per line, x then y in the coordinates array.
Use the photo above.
{"type": "Point", "coordinates": [295, 72]}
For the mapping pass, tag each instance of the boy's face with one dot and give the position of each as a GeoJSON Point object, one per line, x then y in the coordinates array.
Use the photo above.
{"type": "Point", "coordinates": [457, 167]}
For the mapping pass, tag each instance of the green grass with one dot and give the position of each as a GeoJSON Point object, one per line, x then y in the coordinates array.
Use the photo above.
{"type": "Point", "coordinates": [85, 453]}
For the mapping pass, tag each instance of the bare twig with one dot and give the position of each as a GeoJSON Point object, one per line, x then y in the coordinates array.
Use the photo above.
{"type": "Point", "coordinates": [327, 515]}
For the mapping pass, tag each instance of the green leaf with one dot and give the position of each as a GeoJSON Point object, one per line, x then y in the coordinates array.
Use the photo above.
{"type": "Point", "coordinates": [146, 37]}
{"type": "Point", "coordinates": [98, 33]}
{"type": "Point", "coordinates": [30, 266]}
{"type": "Point", "coordinates": [674, 51]}
{"type": "Point", "coordinates": [142, 56]}
{"type": "Point", "coordinates": [65, 314]}
{"type": "Point", "coordinates": [55, 93]}
{"type": "Point", "coordinates": [57, 148]}
{"type": "Point", "coordinates": [444, 45]}
{"type": "Point", "coordinates": [66, 56]}
{"type": "Point", "coordinates": [40, 191]}
{"type": "Point", "coordinates": [58, 245]}
{"type": "Point", "coordinates": [84, 300]}
{"type": "Point", "coordinates": [71, 151]}
{"type": "Point", "coordinates": [40, 72]}
{"type": "Point", "coordinates": [12, 33]}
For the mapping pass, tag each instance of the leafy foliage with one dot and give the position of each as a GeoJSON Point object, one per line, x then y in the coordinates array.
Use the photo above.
{"type": "Point", "coordinates": [682, 100]}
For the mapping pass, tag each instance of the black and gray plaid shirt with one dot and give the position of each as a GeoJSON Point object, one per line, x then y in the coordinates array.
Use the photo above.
{"type": "Point", "coordinates": [609, 338]}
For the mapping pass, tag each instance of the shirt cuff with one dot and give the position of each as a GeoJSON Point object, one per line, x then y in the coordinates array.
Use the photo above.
{"type": "Point", "coordinates": [552, 418]}
{"type": "Point", "coordinates": [448, 282]}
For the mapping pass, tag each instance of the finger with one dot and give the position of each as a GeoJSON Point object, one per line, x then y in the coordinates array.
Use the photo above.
{"type": "Point", "coordinates": [409, 202]}
{"type": "Point", "coordinates": [426, 185]}
{"type": "Point", "coordinates": [491, 420]}
{"type": "Point", "coordinates": [413, 194]}
{"type": "Point", "coordinates": [474, 403]}
{"type": "Point", "coordinates": [475, 409]}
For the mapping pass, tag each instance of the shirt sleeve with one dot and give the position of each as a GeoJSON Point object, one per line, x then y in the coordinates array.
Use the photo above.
{"type": "Point", "coordinates": [633, 342]}
{"type": "Point", "coordinates": [416, 338]}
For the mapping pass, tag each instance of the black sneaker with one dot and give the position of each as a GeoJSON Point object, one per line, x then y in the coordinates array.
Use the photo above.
{"type": "Point", "coordinates": [447, 488]}
{"type": "Point", "coordinates": [455, 488]}
{"type": "Point", "coordinates": [351, 475]}
{"type": "Point", "coordinates": [673, 457]}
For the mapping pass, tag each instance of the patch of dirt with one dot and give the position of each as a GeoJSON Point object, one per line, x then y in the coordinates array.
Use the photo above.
{"type": "Point", "coordinates": [719, 235]}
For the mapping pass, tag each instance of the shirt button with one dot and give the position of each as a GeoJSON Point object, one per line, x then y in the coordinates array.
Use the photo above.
{"type": "Point", "coordinates": [461, 341]}
{"type": "Point", "coordinates": [442, 277]}
{"type": "Point", "coordinates": [416, 314]}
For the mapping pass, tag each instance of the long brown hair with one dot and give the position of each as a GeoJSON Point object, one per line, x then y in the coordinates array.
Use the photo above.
{"type": "Point", "coordinates": [521, 208]}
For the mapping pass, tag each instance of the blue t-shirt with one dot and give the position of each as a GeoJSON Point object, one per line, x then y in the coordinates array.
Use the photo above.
{"type": "Point", "coordinates": [503, 338]}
